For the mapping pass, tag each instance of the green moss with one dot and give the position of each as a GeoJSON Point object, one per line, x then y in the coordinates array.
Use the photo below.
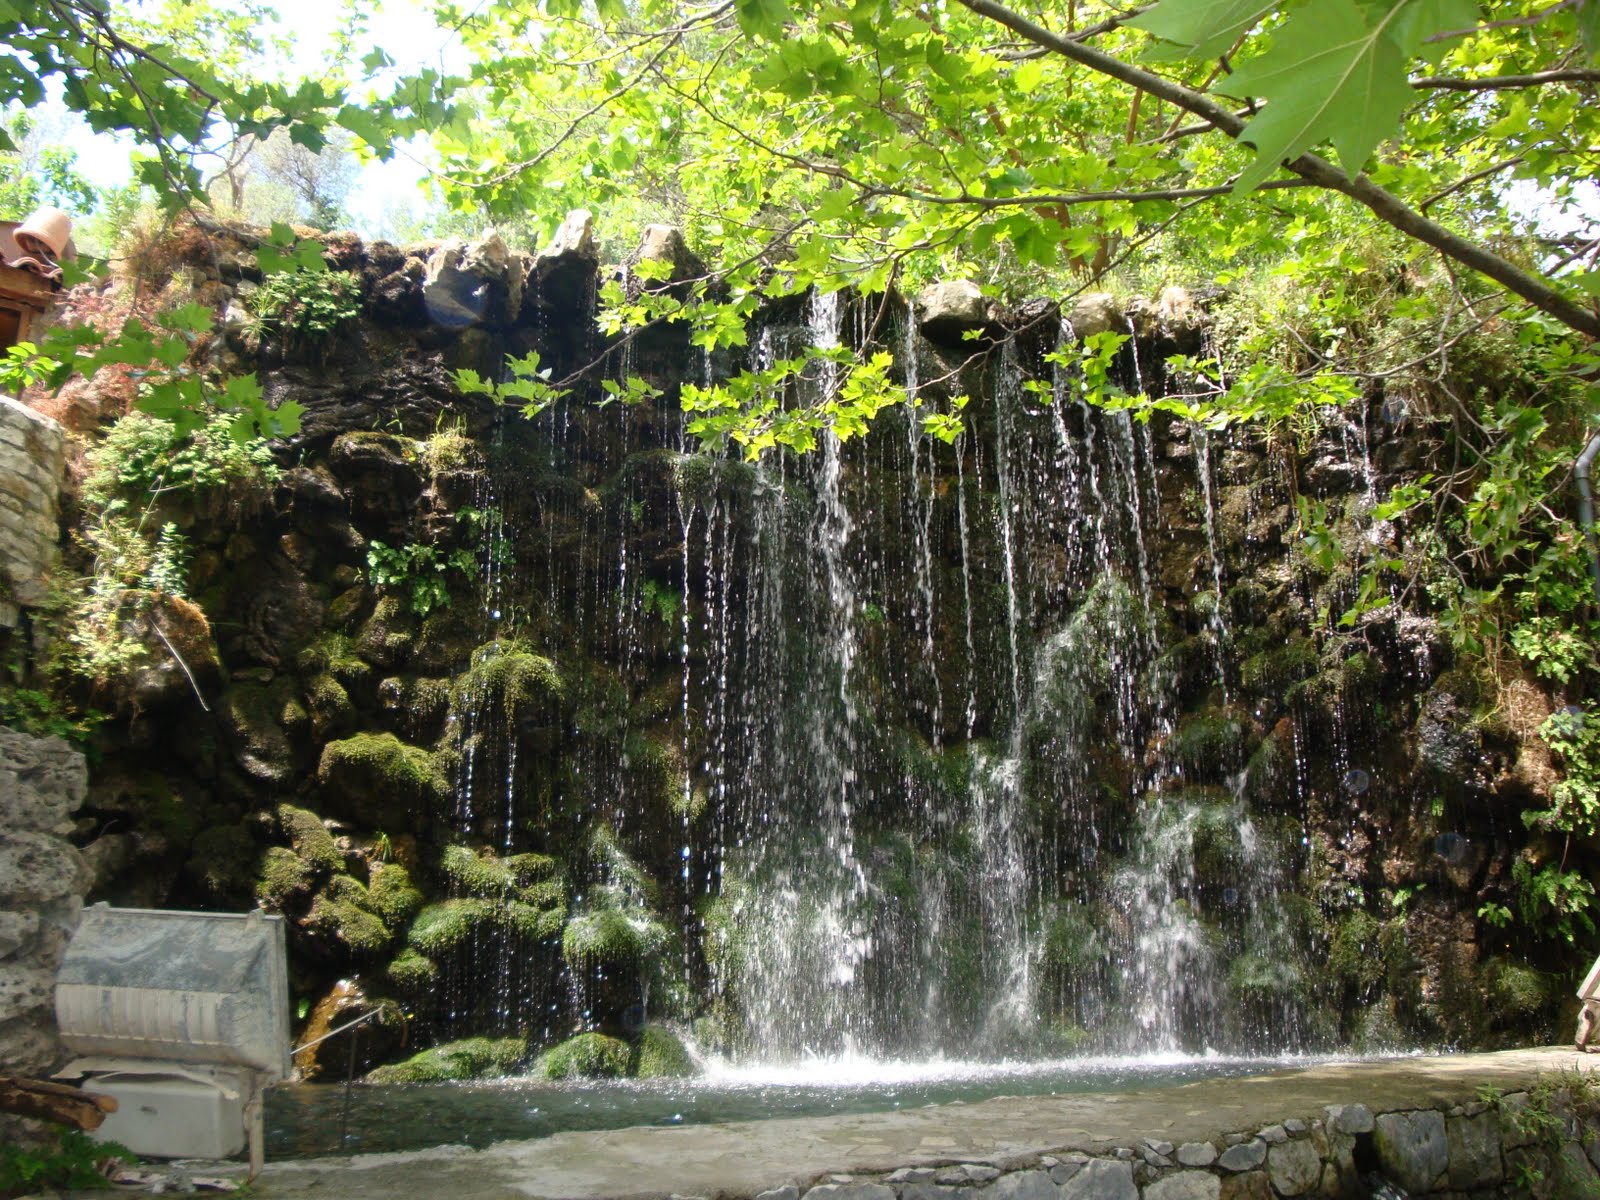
{"type": "Point", "coordinates": [345, 609]}
{"type": "Point", "coordinates": [613, 937]}
{"type": "Point", "coordinates": [258, 718]}
{"type": "Point", "coordinates": [388, 633]}
{"type": "Point", "coordinates": [507, 678]}
{"type": "Point", "coordinates": [1275, 669]}
{"type": "Point", "coordinates": [1219, 856]}
{"type": "Point", "coordinates": [392, 895]}
{"type": "Point", "coordinates": [311, 841]}
{"type": "Point", "coordinates": [620, 874]}
{"type": "Point", "coordinates": [376, 778]}
{"type": "Point", "coordinates": [446, 926]}
{"type": "Point", "coordinates": [1207, 744]}
{"type": "Point", "coordinates": [343, 912]}
{"type": "Point", "coordinates": [476, 874]}
{"type": "Point", "coordinates": [413, 974]}
{"type": "Point", "coordinates": [531, 921]}
{"type": "Point", "coordinates": [1515, 994]}
{"type": "Point", "coordinates": [1353, 950]}
{"type": "Point", "coordinates": [223, 859]}
{"type": "Point", "coordinates": [471, 1058]}
{"type": "Point", "coordinates": [723, 938]}
{"type": "Point", "coordinates": [661, 1054]}
{"type": "Point", "coordinates": [587, 1056]}
{"type": "Point", "coordinates": [334, 654]}
{"type": "Point", "coordinates": [1263, 978]}
{"type": "Point", "coordinates": [1072, 942]}
{"type": "Point", "coordinates": [331, 709]}
{"type": "Point", "coordinates": [282, 874]}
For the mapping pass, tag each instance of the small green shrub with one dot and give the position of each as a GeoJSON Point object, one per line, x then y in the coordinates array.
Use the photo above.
{"type": "Point", "coordinates": [305, 307]}
{"type": "Point", "coordinates": [71, 1163]}
{"type": "Point", "coordinates": [143, 457]}
{"type": "Point", "coordinates": [419, 573]}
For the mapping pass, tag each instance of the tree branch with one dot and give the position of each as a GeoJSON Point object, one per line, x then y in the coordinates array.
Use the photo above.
{"type": "Point", "coordinates": [1490, 83]}
{"type": "Point", "coordinates": [1386, 206]}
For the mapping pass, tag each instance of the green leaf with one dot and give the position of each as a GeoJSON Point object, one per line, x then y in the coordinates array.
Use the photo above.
{"type": "Point", "coordinates": [762, 18]}
{"type": "Point", "coordinates": [1329, 76]}
{"type": "Point", "coordinates": [1204, 28]}
{"type": "Point", "coordinates": [1589, 28]}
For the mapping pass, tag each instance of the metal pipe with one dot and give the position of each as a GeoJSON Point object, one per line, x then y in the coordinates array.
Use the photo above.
{"type": "Point", "coordinates": [1586, 508]}
{"type": "Point", "coordinates": [336, 1032]}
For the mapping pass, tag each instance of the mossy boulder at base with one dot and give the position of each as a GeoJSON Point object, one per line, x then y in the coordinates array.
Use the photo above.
{"type": "Point", "coordinates": [587, 1056]}
{"type": "Point", "coordinates": [282, 877]}
{"type": "Point", "coordinates": [661, 1054]}
{"type": "Point", "coordinates": [613, 937]}
{"type": "Point", "coordinates": [380, 782]}
{"type": "Point", "coordinates": [470, 1058]}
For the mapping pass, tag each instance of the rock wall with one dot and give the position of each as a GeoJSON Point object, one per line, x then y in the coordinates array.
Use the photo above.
{"type": "Point", "coordinates": [42, 884]}
{"type": "Point", "coordinates": [32, 454]}
{"type": "Point", "coordinates": [501, 713]}
{"type": "Point", "coordinates": [1521, 1144]}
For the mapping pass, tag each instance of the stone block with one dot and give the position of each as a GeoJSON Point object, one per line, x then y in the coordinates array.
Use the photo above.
{"type": "Point", "coordinates": [1197, 1154]}
{"type": "Point", "coordinates": [1412, 1148]}
{"type": "Point", "coordinates": [980, 1172]}
{"type": "Point", "coordinates": [18, 929]}
{"type": "Point", "coordinates": [851, 1191]}
{"type": "Point", "coordinates": [1349, 1118]}
{"type": "Point", "coordinates": [27, 990]}
{"type": "Point", "coordinates": [1185, 1185]}
{"type": "Point", "coordinates": [1160, 1147]}
{"type": "Point", "coordinates": [1246, 1156]}
{"type": "Point", "coordinates": [1022, 1185]}
{"type": "Point", "coordinates": [37, 867]}
{"type": "Point", "coordinates": [1248, 1185]}
{"type": "Point", "coordinates": [1294, 1167]}
{"type": "Point", "coordinates": [1062, 1172]}
{"type": "Point", "coordinates": [28, 1046]}
{"type": "Point", "coordinates": [930, 1191]}
{"type": "Point", "coordinates": [1274, 1135]}
{"type": "Point", "coordinates": [1516, 1130]}
{"type": "Point", "coordinates": [909, 1174]}
{"type": "Point", "coordinates": [1474, 1151]}
{"type": "Point", "coordinates": [1101, 1179]}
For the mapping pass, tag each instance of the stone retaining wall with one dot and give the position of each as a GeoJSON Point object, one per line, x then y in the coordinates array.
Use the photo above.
{"type": "Point", "coordinates": [42, 884]}
{"type": "Point", "coordinates": [32, 455]}
{"type": "Point", "coordinates": [1520, 1144]}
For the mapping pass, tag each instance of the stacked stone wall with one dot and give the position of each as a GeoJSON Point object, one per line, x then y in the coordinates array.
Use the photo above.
{"type": "Point", "coordinates": [1543, 1144]}
{"type": "Point", "coordinates": [42, 884]}
{"type": "Point", "coordinates": [32, 455]}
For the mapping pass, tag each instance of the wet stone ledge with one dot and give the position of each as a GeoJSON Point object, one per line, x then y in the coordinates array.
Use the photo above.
{"type": "Point", "coordinates": [1541, 1144]}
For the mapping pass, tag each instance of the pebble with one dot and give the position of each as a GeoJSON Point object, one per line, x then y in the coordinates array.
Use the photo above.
{"type": "Point", "coordinates": [1274, 1135]}
{"type": "Point", "coordinates": [1246, 1156]}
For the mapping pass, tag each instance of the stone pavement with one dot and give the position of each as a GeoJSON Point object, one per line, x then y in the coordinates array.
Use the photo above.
{"type": "Point", "coordinates": [1010, 1133]}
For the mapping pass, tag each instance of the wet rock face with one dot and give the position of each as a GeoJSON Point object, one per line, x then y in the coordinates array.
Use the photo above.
{"type": "Point", "coordinates": [582, 630]}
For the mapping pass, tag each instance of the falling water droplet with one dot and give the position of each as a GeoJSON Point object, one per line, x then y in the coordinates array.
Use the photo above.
{"type": "Point", "coordinates": [1356, 781]}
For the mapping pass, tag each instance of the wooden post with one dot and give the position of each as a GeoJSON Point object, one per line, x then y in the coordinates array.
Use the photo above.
{"type": "Point", "coordinates": [56, 1102]}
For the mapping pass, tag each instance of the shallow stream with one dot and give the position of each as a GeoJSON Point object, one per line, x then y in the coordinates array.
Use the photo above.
{"type": "Point", "coordinates": [309, 1119]}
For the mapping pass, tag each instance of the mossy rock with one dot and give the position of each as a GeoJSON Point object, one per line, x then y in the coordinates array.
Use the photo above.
{"type": "Point", "coordinates": [386, 637]}
{"type": "Point", "coordinates": [1217, 846]}
{"type": "Point", "coordinates": [257, 719]}
{"type": "Point", "coordinates": [334, 654]}
{"type": "Point", "coordinates": [1354, 956]}
{"type": "Point", "coordinates": [511, 684]}
{"type": "Point", "coordinates": [381, 782]}
{"type": "Point", "coordinates": [1515, 995]}
{"type": "Point", "coordinates": [531, 921]}
{"type": "Point", "coordinates": [422, 699]}
{"type": "Point", "coordinates": [329, 705]}
{"type": "Point", "coordinates": [282, 878]}
{"type": "Point", "coordinates": [1265, 979]}
{"type": "Point", "coordinates": [448, 925]}
{"type": "Point", "coordinates": [348, 607]}
{"type": "Point", "coordinates": [446, 639]}
{"type": "Point", "coordinates": [413, 974]}
{"type": "Point", "coordinates": [1072, 942]}
{"type": "Point", "coordinates": [311, 841]}
{"type": "Point", "coordinates": [342, 913]}
{"type": "Point", "coordinates": [587, 1056]}
{"type": "Point", "coordinates": [530, 878]}
{"type": "Point", "coordinates": [392, 895]}
{"type": "Point", "coordinates": [1207, 746]}
{"type": "Point", "coordinates": [661, 1054]}
{"type": "Point", "coordinates": [612, 937]}
{"type": "Point", "coordinates": [223, 859]}
{"type": "Point", "coordinates": [470, 1058]}
{"type": "Point", "coordinates": [1274, 670]}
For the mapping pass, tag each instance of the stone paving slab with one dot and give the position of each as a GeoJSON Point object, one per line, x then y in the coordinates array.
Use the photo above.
{"type": "Point", "coordinates": [741, 1159]}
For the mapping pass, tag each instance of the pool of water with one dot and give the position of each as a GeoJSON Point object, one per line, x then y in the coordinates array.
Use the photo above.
{"type": "Point", "coordinates": [311, 1119]}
